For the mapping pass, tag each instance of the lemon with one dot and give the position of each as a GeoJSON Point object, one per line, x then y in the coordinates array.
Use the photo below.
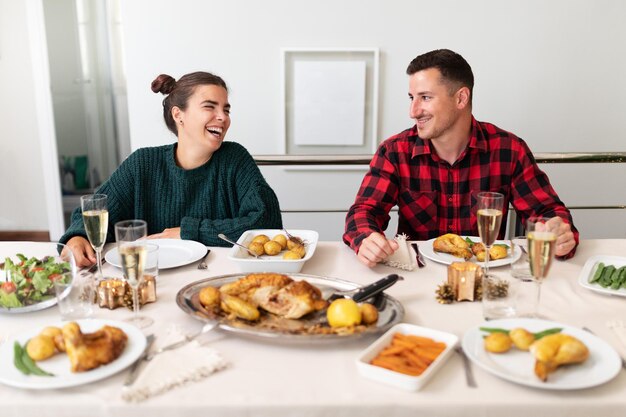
{"type": "Point", "coordinates": [343, 312]}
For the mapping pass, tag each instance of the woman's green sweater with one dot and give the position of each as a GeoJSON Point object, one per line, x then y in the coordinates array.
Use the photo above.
{"type": "Point", "coordinates": [226, 195]}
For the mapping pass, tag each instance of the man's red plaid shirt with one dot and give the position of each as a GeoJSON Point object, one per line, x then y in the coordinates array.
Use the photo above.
{"type": "Point", "coordinates": [434, 197]}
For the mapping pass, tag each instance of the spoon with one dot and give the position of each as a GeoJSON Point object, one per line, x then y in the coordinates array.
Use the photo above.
{"type": "Point", "coordinates": [223, 237]}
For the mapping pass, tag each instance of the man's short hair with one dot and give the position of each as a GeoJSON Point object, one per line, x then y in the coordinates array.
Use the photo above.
{"type": "Point", "coordinates": [455, 71]}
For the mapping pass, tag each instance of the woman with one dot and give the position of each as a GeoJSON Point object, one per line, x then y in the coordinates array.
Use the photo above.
{"type": "Point", "coordinates": [192, 189]}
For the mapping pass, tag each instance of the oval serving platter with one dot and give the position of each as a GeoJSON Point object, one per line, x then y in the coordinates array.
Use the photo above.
{"type": "Point", "coordinates": [280, 329]}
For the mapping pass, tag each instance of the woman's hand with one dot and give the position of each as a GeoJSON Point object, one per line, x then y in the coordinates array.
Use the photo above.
{"type": "Point", "coordinates": [82, 251]}
{"type": "Point", "coordinates": [376, 248]}
{"type": "Point", "coordinates": [173, 233]}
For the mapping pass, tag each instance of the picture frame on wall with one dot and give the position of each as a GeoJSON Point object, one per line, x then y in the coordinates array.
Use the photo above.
{"type": "Point", "coordinates": [330, 100]}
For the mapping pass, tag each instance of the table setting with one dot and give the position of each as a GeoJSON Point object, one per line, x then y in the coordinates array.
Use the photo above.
{"type": "Point", "coordinates": [262, 375]}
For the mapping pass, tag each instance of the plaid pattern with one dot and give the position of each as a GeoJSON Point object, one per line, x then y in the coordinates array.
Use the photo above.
{"type": "Point", "coordinates": [434, 197]}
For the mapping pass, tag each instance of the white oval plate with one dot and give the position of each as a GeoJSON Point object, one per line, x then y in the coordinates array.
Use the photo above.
{"type": "Point", "coordinates": [517, 366]}
{"type": "Point", "coordinates": [426, 249]}
{"type": "Point", "coordinates": [172, 253]}
{"type": "Point", "coordinates": [59, 364]}
{"type": "Point", "coordinates": [589, 270]}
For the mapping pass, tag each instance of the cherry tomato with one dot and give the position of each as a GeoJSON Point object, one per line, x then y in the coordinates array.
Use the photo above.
{"type": "Point", "coordinates": [8, 287]}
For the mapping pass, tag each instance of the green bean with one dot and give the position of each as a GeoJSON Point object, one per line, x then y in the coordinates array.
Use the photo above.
{"type": "Point", "coordinates": [547, 332]}
{"type": "Point", "coordinates": [494, 330]}
{"type": "Point", "coordinates": [18, 352]}
{"type": "Point", "coordinates": [598, 273]}
{"type": "Point", "coordinates": [537, 335]}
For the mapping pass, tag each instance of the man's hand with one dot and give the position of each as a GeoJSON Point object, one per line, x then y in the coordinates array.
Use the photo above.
{"type": "Point", "coordinates": [173, 233]}
{"type": "Point", "coordinates": [565, 241]}
{"type": "Point", "coordinates": [376, 248]}
{"type": "Point", "coordinates": [82, 250]}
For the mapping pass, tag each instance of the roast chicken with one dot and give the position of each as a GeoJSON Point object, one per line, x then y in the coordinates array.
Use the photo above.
{"type": "Point", "coordinates": [555, 350]}
{"type": "Point", "coordinates": [453, 244]}
{"type": "Point", "coordinates": [90, 350]}
{"type": "Point", "coordinates": [275, 293]}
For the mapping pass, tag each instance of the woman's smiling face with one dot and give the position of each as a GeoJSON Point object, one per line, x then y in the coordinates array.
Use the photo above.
{"type": "Point", "coordinates": [206, 119]}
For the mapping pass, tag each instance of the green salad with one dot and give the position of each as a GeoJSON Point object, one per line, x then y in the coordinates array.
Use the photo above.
{"type": "Point", "coordinates": [30, 280]}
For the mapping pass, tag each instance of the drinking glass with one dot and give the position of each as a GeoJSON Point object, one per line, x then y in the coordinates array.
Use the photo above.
{"type": "Point", "coordinates": [96, 220]}
{"type": "Point", "coordinates": [133, 253]}
{"type": "Point", "coordinates": [541, 233]}
{"type": "Point", "coordinates": [489, 217]}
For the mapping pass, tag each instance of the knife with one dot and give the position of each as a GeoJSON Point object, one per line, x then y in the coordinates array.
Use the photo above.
{"type": "Point", "coordinates": [134, 369]}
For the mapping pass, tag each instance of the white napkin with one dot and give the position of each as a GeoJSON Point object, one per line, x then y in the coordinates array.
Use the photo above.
{"type": "Point", "coordinates": [168, 370]}
{"type": "Point", "coordinates": [403, 258]}
{"type": "Point", "coordinates": [619, 328]}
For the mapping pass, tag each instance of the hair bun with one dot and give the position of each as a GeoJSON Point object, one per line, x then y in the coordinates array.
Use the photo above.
{"type": "Point", "coordinates": [163, 84]}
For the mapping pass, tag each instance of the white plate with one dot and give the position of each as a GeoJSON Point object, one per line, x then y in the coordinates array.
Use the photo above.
{"type": "Point", "coordinates": [172, 253]}
{"type": "Point", "coordinates": [59, 364]}
{"type": "Point", "coordinates": [248, 263]}
{"type": "Point", "coordinates": [589, 270]}
{"type": "Point", "coordinates": [426, 249]}
{"type": "Point", "coordinates": [517, 366]}
{"type": "Point", "coordinates": [397, 379]}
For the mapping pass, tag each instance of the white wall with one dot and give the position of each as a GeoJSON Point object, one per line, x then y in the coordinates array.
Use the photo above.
{"type": "Point", "coordinates": [553, 72]}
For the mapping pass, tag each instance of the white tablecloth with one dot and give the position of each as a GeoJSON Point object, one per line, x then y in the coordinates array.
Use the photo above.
{"type": "Point", "coordinates": [273, 379]}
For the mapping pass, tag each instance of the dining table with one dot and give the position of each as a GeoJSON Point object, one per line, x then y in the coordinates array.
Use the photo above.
{"type": "Point", "coordinates": [274, 377]}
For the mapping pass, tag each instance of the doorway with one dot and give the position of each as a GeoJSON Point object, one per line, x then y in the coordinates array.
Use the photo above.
{"type": "Point", "coordinates": [88, 92]}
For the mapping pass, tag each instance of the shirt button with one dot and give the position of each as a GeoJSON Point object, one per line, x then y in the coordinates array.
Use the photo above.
{"type": "Point", "coordinates": [450, 199]}
{"type": "Point", "coordinates": [450, 226]}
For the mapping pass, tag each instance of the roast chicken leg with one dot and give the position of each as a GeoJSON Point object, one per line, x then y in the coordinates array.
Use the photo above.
{"type": "Point", "coordinates": [555, 350]}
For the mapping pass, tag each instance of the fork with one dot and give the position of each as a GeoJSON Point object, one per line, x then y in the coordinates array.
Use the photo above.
{"type": "Point", "coordinates": [202, 264]}
{"type": "Point", "coordinates": [469, 375]}
{"type": "Point", "coordinates": [223, 237]}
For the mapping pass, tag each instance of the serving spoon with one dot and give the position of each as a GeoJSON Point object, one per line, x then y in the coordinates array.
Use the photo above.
{"type": "Point", "coordinates": [223, 237]}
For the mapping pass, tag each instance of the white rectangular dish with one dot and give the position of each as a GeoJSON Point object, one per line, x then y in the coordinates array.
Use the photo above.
{"type": "Point", "coordinates": [397, 379]}
{"type": "Point", "coordinates": [589, 269]}
{"type": "Point", "coordinates": [266, 263]}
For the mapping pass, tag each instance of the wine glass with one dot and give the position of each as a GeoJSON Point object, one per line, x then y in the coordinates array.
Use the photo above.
{"type": "Point", "coordinates": [541, 233]}
{"type": "Point", "coordinates": [489, 217]}
{"type": "Point", "coordinates": [133, 253]}
{"type": "Point", "coordinates": [96, 220]}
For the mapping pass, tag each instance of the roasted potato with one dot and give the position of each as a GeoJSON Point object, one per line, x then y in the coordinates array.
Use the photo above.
{"type": "Point", "coordinates": [239, 308]}
{"type": "Point", "coordinates": [291, 256]}
{"type": "Point", "coordinates": [369, 313]}
{"type": "Point", "coordinates": [496, 252]}
{"type": "Point", "coordinates": [262, 239]}
{"type": "Point", "coordinates": [57, 336]}
{"type": "Point", "coordinates": [272, 248]}
{"type": "Point", "coordinates": [256, 247]}
{"type": "Point", "coordinates": [299, 249]}
{"type": "Point", "coordinates": [522, 338]}
{"type": "Point", "coordinates": [209, 297]}
{"type": "Point", "coordinates": [281, 239]}
{"type": "Point", "coordinates": [498, 343]}
{"type": "Point", "coordinates": [40, 347]}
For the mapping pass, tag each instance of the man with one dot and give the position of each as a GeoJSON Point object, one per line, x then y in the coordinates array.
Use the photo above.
{"type": "Point", "coordinates": [434, 170]}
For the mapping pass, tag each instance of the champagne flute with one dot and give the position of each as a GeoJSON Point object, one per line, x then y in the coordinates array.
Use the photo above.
{"type": "Point", "coordinates": [133, 253]}
{"type": "Point", "coordinates": [541, 233]}
{"type": "Point", "coordinates": [489, 218]}
{"type": "Point", "coordinates": [96, 220]}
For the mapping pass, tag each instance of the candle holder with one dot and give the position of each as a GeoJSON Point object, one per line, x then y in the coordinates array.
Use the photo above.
{"type": "Point", "coordinates": [464, 278]}
{"type": "Point", "coordinates": [113, 293]}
